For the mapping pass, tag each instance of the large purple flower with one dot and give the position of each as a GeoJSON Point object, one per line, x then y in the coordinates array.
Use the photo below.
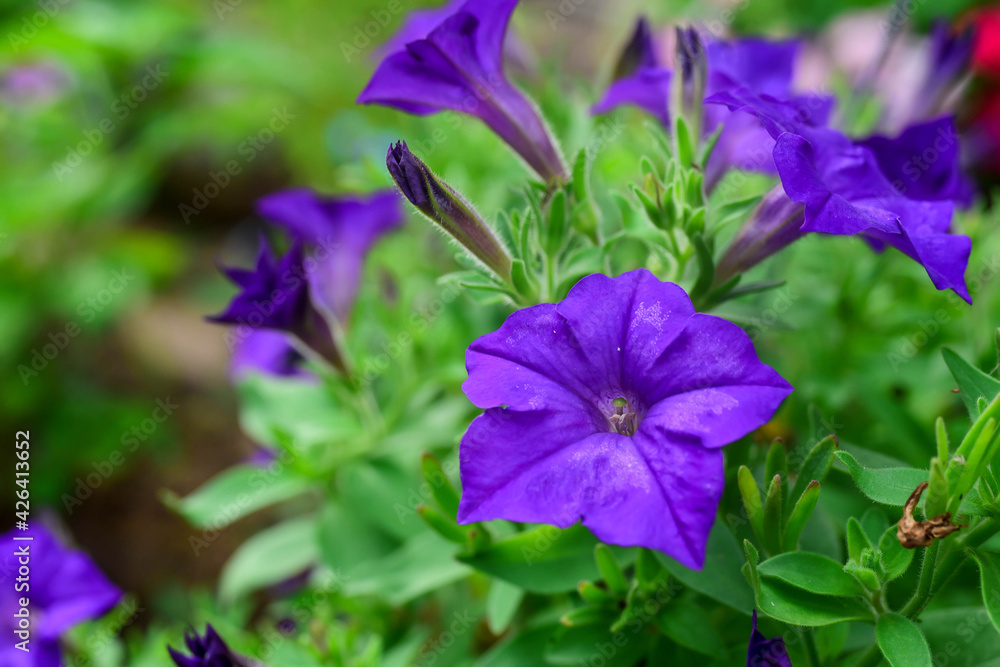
{"type": "Point", "coordinates": [65, 588]}
{"type": "Point", "coordinates": [459, 66]}
{"type": "Point", "coordinates": [611, 407]}
{"type": "Point", "coordinates": [764, 652]}
{"type": "Point", "coordinates": [341, 231]}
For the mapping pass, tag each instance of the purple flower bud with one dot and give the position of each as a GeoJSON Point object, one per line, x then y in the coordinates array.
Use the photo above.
{"type": "Point", "coordinates": [776, 223]}
{"type": "Point", "coordinates": [446, 207]}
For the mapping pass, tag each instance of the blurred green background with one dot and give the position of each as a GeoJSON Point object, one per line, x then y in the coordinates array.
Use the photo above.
{"type": "Point", "coordinates": [130, 168]}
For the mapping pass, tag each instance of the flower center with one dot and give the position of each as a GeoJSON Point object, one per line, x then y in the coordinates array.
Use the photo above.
{"type": "Point", "coordinates": [625, 419]}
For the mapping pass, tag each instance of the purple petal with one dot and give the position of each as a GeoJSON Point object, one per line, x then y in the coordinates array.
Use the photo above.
{"type": "Point", "coordinates": [648, 88]}
{"type": "Point", "coordinates": [923, 161]}
{"type": "Point", "coordinates": [67, 587]}
{"type": "Point", "coordinates": [418, 24]}
{"type": "Point", "coordinates": [268, 352]}
{"type": "Point", "coordinates": [760, 65]}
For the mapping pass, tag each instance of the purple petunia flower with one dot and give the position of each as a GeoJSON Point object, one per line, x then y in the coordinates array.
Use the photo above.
{"type": "Point", "coordinates": [208, 650]}
{"type": "Point", "coordinates": [341, 231]}
{"type": "Point", "coordinates": [276, 295]}
{"type": "Point", "coordinates": [765, 652]}
{"type": "Point", "coordinates": [459, 66]}
{"type": "Point", "coordinates": [845, 191]}
{"type": "Point", "coordinates": [65, 589]}
{"type": "Point", "coordinates": [611, 407]}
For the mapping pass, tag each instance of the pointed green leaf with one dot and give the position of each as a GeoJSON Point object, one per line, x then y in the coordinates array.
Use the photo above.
{"type": "Point", "coordinates": [857, 540]}
{"type": "Point", "coordinates": [817, 465]}
{"type": "Point", "coordinates": [441, 487]}
{"type": "Point", "coordinates": [972, 382]}
{"type": "Point", "coordinates": [901, 641]}
{"type": "Point", "coordinates": [801, 514]}
{"type": "Point", "coordinates": [773, 520]}
{"type": "Point", "coordinates": [611, 572]}
{"type": "Point", "coordinates": [502, 602]}
{"type": "Point", "coordinates": [941, 435]}
{"type": "Point", "coordinates": [272, 555]}
{"type": "Point", "coordinates": [751, 500]}
{"type": "Point", "coordinates": [896, 558]}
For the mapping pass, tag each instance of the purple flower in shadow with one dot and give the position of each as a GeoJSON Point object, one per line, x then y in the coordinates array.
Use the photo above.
{"type": "Point", "coordinates": [67, 588]}
{"type": "Point", "coordinates": [611, 408]}
{"type": "Point", "coordinates": [269, 352]}
{"type": "Point", "coordinates": [207, 650]}
{"type": "Point", "coordinates": [459, 66]}
{"type": "Point", "coordinates": [765, 652]}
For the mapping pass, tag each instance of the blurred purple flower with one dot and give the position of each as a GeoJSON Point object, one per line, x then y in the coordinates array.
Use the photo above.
{"type": "Point", "coordinates": [276, 295]}
{"type": "Point", "coordinates": [765, 652]}
{"type": "Point", "coordinates": [269, 352]}
{"type": "Point", "coordinates": [341, 232]}
{"type": "Point", "coordinates": [32, 84]}
{"type": "Point", "coordinates": [459, 66]}
{"type": "Point", "coordinates": [755, 65]}
{"type": "Point", "coordinates": [611, 407]}
{"type": "Point", "coordinates": [949, 61]}
{"type": "Point", "coordinates": [67, 588]}
{"type": "Point", "coordinates": [418, 24]}
{"type": "Point", "coordinates": [208, 650]}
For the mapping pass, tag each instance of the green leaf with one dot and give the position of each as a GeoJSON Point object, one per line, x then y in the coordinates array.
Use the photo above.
{"type": "Point", "coordinates": [857, 540]}
{"type": "Point", "coordinates": [888, 486]}
{"type": "Point", "coordinates": [270, 556]}
{"type": "Point", "coordinates": [586, 644]}
{"type": "Point", "coordinates": [989, 577]}
{"type": "Point", "coordinates": [816, 466]}
{"type": "Point", "coordinates": [425, 562]}
{"type": "Point", "coordinates": [721, 578]}
{"type": "Point", "coordinates": [789, 604]}
{"type": "Point", "coordinates": [611, 572]}
{"type": "Point", "coordinates": [776, 462]}
{"type": "Point", "coordinates": [502, 602]}
{"type": "Point", "coordinates": [972, 382]}
{"type": "Point", "coordinates": [901, 641]}
{"type": "Point", "coordinates": [689, 626]}
{"type": "Point", "coordinates": [801, 514]}
{"type": "Point", "coordinates": [941, 435]}
{"type": "Point", "coordinates": [751, 500]}
{"type": "Point", "coordinates": [367, 541]}
{"type": "Point", "coordinates": [963, 634]}
{"type": "Point", "coordinates": [896, 558]}
{"type": "Point", "coordinates": [811, 572]}
{"type": "Point", "coordinates": [555, 232]}
{"type": "Point", "coordinates": [441, 487]}
{"type": "Point", "coordinates": [773, 520]}
{"type": "Point", "coordinates": [386, 494]}
{"type": "Point", "coordinates": [543, 559]}
{"type": "Point", "coordinates": [525, 648]}
{"type": "Point", "coordinates": [936, 500]}
{"type": "Point", "coordinates": [235, 493]}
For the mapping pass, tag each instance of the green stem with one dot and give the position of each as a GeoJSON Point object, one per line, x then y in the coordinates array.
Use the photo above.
{"type": "Point", "coordinates": [812, 651]}
{"type": "Point", "coordinates": [923, 593]}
